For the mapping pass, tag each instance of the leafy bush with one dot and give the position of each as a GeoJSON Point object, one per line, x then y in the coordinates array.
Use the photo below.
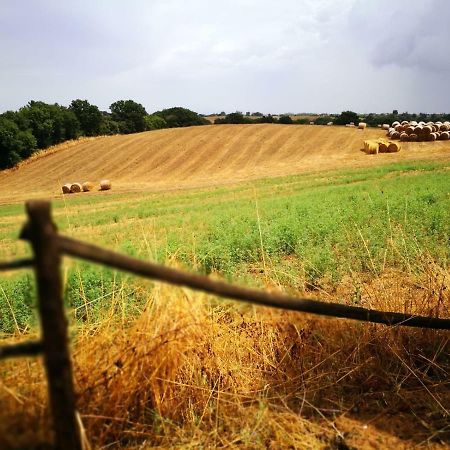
{"type": "Point", "coordinates": [285, 119]}
{"type": "Point", "coordinates": [129, 115]}
{"type": "Point", "coordinates": [233, 118]}
{"type": "Point", "coordinates": [154, 122]}
{"type": "Point", "coordinates": [181, 117]}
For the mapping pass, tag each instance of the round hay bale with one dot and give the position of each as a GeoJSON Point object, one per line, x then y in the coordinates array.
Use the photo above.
{"type": "Point", "coordinates": [409, 130]}
{"type": "Point", "coordinates": [433, 136]}
{"type": "Point", "coordinates": [394, 147]}
{"type": "Point", "coordinates": [427, 130]}
{"type": "Point", "coordinates": [66, 188]}
{"type": "Point", "coordinates": [413, 123]}
{"type": "Point", "coordinates": [105, 185]}
{"type": "Point", "coordinates": [398, 128]}
{"type": "Point", "coordinates": [385, 126]}
{"type": "Point", "coordinates": [383, 147]}
{"type": "Point", "coordinates": [445, 135]}
{"type": "Point", "coordinates": [362, 125]}
{"type": "Point", "coordinates": [405, 122]}
{"type": "Point", "coordinates": [76, 187]}
{"type": "Point", "coordinates": [443, 127]}
{"type": "Point", "coordinates": [87, 186]}
{"type": "Point", "coordinates": [404, 137]}
{"type": "Point", "coordinates": [371, 147]}
{"type": "Point", "coordinates": [395, 123]}
{"type": "Point", "coordinates": [329, 124]}
{"type": "Point", "coordinates": [395, 135]}
{"type": "Point", "coordinates": [413, 137]}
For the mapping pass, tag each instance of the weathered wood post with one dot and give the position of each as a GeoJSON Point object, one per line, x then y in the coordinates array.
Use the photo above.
{"type": "Point", "coordinates": [41, 232]}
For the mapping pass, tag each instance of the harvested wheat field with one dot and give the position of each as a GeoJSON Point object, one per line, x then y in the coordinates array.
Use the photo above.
{"type": "Point", "coordinates": [202, 156]}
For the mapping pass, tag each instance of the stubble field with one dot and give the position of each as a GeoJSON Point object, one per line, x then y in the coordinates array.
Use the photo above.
{"type": "Point", "coordinates": [296, 209]}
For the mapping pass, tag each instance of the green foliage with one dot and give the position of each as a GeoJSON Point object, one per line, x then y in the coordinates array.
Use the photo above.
{"type": "Point", "coordinates": [108, 126]}
{"type": "Point", "coordinates": [346, 117]}
{"type": "Point", "coordinates": [233, 118]}
{"type": "Point", "coordinates": [15, 144]}
{"type": "Point", "coordinates": [323, 120]}
{"type": "Point", "coordinates": [129, 115]}
{"type": "Point", "coordinates": [155, 122]}
{"type": "Point", "coordinates": [302, 121]}
{"type": "Point", "coordinates": [89, 117]}
{"type": "Point", "coordinates": [266, 119]}
{"type": "Point", "coordinates": [50, 124]}
{"type": "Point", "coordinates": [285, 119]}
{"type": "Point", "coordinates": [181, 117]}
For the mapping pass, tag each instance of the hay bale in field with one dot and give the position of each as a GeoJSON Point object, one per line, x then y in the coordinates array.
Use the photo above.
{"type": "Point", "coordinates": [87, 186]}
{"type": "Point", "coordinates": [413, 137]}
{"type": "Point", "coordinates": [385, 126]}
{"type": "Point", "coordinates": [409, 130]}
{"type": "Point", "coordinates": [445, 136]}
{"type": "Point", "coordinates": [329, 124]}
{"type": "Point", "coordinates": [413, 123]}
{"type": "Point", "coordinates": [76, 187]}
{"type": "Point", "coordinates": [66, 188]}
{"type": "Point", "coordinates": [383, 147]}
{"type": "Point", "coordinates": [105, 185]}
{"type": "Point", "coordinates": [399, 128]}
{"type": "Point", "coordinates": [371, 147]}
{"type": "Point", "coordinates": [394, 147]}
{"type": "Point", "coordinates": [427, 130]}
{"type": "Point", "coordinates": [395, 135]}
{"type": "Point", "coordinates": [404, 137]}
{"type": "Point", "coordinates": [444, 127]}
{"type": "Point", "coordinates": [395, 123]}
{"type": "Point", "coordinates": [311, 123]}
{"type": "Point", "coordinates": [433, 136]}
{"type": "Point", "coordinates": [362, 125]}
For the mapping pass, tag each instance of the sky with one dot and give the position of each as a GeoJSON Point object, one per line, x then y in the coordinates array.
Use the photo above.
{"type": "Point", "coordinates": [236, 55]}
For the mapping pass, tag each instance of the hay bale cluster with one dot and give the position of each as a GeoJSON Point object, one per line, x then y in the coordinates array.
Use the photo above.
{"type": "Point", "coordinates": [71, 188]}
{"type": "Point", "coordinates": [375, 146]}
{"type": "Point", "coordinates": [419, 131]}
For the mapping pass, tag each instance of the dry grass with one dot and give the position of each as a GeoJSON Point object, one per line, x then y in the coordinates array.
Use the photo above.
{"type": "Point", "coordinates": [202, 156]}
{"type": "Point", "coordinates": [192, 372]}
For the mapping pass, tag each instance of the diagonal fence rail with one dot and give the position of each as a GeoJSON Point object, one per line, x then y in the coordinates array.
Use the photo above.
{"type": "Point", "coordinates": [48, 248]}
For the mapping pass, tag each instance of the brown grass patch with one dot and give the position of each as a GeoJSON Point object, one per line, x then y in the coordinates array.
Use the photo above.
{"type": "Point", "coordinates": [192, 371]}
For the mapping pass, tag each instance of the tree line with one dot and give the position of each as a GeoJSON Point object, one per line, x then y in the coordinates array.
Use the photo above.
{"type": "Point", "coordinates": [39, 125]}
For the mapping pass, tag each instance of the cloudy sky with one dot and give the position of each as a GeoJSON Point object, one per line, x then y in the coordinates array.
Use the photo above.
{"type": "Point", "coordinates": [248, 55]}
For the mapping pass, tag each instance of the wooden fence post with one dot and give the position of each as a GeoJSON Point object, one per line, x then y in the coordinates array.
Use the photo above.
{"type": "Point", "coordinates": [42, 232]}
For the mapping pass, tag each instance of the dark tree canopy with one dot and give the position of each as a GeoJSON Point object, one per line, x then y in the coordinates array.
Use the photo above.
{"type": "Point", "coordinates": [181, 117]}
{"type": "Point", "coordinates": [15, 144]}
{"type": "Point", "coordinates": [233, 118]}
{"type": "Point", "coordinates": [346, 117]}
{"type": "Point", "coordinates": [50, 124]}
{"type": "Point", "coordinates": [129, 115]}
{"type": "Point", "coordinates": [88, 115]}
{"type": "Point", "coordinates": [285, 119]}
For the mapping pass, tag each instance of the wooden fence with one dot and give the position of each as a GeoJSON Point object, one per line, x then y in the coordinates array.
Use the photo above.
{"type": "Point", "coordinates": [49, 246]}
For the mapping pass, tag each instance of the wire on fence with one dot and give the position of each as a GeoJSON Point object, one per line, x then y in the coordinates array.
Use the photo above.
{"type": "Point", "coordinates": [31, 348]}
{"type": "Point", "coordinates": [151, 270]}
{"type": "Point", "coordinates": [17, 264]}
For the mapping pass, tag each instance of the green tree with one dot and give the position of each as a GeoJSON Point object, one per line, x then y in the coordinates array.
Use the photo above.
{"type": "Point", "coordinates": [155, 122]}
{"type": "Point", "coordinates": [88, 115]}
{"type": "Point", "coordinates": [108, 126]}
{"type": "Point", "coordinates": [346, 117]}
{"type": "Point", "coordinates": [129, 115]}
{"type": "Point", "coordinates": [15, 144]}
{"type": "Point", "coordinates": [50, 124]}
{"type": "Point", "coordinates": [233, 118]}
{"type": "Point", "coordinates": [285, 119]}
{"type": "Point", "coordinates": [181, 117]}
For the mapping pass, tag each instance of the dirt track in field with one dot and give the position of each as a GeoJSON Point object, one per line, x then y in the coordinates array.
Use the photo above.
{"type": "Point", "coordinates": [203, 156]}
